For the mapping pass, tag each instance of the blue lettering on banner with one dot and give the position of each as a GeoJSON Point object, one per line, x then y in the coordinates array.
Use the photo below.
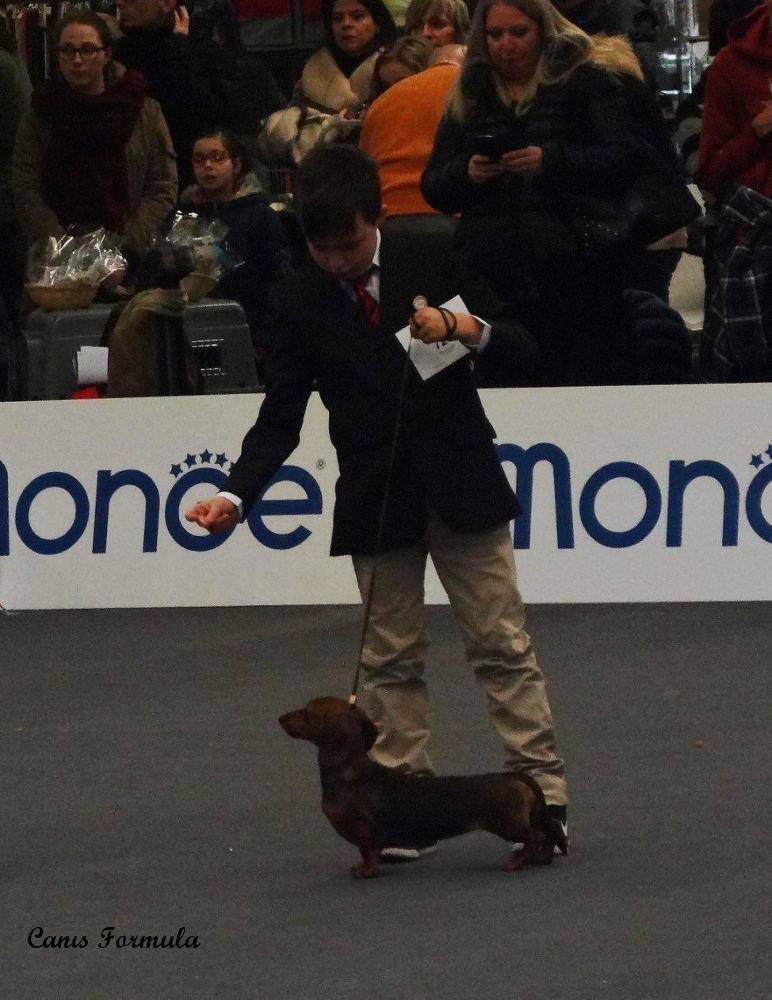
{"type": "Point", "coordinates": [5, 533]}
{"type": "Point", "coordinates": [753, 499]}
{"type": "Point", "coordinates": [606, 474]}
{"type": "Point", "coordinates": [681, 475]}
{"type": "Point", "coordinates": [523, 461]}
{"type": "Point", "coordinates": [311, 503]}
{"type": "Point", "coordinates": [36, 542]}
{"type": "Point", "coordinates": [108, 484]}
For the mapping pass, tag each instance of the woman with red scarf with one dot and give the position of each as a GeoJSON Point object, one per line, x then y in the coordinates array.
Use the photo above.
{"type": "Point", "coordinates": [93, 151]}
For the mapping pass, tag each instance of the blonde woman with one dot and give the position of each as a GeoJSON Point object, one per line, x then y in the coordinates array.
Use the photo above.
{"type": "Point", "coordinates": [531, 124]}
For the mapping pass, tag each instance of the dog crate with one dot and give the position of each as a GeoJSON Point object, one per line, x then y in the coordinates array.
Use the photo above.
{"type": "Point", "coordinates": [214, 354]}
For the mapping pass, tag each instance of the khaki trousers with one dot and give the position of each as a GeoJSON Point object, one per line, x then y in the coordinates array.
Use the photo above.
{"type": "Point", "coordinates": [477, 571]}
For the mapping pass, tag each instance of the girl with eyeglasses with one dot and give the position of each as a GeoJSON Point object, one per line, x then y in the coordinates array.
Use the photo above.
{"type": "Point", "coordinates": [226, 189]}
{"type": "Point", "coordinates": [93, 151]}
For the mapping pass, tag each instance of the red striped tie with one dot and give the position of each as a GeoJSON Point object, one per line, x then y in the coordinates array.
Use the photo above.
{"type": "Point", "coordinates": [369, 304]}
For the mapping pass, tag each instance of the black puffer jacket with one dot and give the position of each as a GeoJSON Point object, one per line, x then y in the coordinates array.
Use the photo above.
{"type": "Point", "coordinates": [588, 144]}
{"type": "Point", "coordinates": [519, 232]}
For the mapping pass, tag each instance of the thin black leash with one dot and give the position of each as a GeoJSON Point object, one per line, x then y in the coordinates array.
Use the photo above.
{"type": "Point", "coordinates": [381, 522]}
{"type": "Point", "coordinates": [418, 302]}
{"type": "Point", "coordinates": [451, 326]}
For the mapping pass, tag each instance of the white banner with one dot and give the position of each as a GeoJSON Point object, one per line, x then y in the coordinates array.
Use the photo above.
{"type": "Point", "coordinates": [630, 494]}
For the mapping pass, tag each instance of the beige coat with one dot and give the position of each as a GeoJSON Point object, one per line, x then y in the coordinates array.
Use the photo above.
{"type": "Point", "coordinates": [321, 94]}
{"type": "Point", "coordinates": [152, 178]}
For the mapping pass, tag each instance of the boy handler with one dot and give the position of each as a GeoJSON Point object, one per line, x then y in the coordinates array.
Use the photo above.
{"type": "Point", "coordinates": [448, 496]}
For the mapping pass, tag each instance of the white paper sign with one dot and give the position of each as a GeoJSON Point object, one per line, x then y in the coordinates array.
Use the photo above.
{"type": "Point", "coordinates": [91, 365]}
{"type": "Point", "coordinates": [430, 359]}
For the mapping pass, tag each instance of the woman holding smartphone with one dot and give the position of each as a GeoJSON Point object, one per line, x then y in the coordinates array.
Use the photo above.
{"type": "Point", "coordinates": [530, 123]}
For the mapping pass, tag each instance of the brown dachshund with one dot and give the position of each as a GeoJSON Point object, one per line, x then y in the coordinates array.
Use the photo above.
{"type": "Point", "coordinates": [375, 807]}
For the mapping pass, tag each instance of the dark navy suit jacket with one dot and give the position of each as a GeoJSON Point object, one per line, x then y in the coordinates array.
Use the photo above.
{"type": "Point", "coordinates": [445, 458]}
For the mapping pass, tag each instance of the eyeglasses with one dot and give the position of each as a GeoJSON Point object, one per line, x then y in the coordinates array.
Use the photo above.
{"type": "Point", "coordinates": [216, 156]}
{"type": "Point", "coordinates": [86, 51]}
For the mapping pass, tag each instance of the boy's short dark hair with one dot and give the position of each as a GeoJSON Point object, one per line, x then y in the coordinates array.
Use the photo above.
{"type": "Point", "coordinates": [334, 184]}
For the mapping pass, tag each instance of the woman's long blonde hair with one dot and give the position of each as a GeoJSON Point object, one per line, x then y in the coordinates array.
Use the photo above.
{"type": "Point", "coordinates": [564, 47]}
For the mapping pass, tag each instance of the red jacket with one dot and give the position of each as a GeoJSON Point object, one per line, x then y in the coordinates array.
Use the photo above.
{"type": "Point", "coordinates": [739, 81]}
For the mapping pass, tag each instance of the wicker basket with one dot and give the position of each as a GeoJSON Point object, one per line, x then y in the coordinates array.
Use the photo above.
{"type": "Point", "coordinates": [196, 285]}
{"type": "Point", "coordinates": [53, 299]}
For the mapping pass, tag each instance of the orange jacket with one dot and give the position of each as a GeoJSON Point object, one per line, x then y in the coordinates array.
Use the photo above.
{"type": "Point", "coordinates": [398, 132]}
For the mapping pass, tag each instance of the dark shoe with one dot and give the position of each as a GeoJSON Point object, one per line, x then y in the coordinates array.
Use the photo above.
{"type": "Point", "coordinates": [559, 817]}
{"type": "Point", "coordinates": [396, 855]}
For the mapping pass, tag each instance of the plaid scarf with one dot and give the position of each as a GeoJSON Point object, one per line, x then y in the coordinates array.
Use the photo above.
{"type": "Point", "coordinates": [738, 329]}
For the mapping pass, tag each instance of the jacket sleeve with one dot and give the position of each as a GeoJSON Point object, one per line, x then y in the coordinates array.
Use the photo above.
{"type": "Point", "coordinates": [289, 380]}
{"type": "Point", "coordinates": [727, 148]}
{"type": "Point", "coordinates": [36, 219]}
{"type": "Point", "coordinates": [445, 183]}
{"type": "Point", "coordinates": [159, 189]}
{"type": "Point", "coordinates": [510, 356]}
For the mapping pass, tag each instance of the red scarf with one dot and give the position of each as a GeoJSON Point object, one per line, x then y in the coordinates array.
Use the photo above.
{"type": "Point", "coordinates": [83, 175]}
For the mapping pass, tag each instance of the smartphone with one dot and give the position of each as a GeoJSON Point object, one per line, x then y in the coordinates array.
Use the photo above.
{"type": "Point", "coordinates": [495, 144]}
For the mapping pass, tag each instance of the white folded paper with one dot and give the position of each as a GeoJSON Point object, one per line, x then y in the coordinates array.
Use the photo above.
{"type": "Point", "coordinates": [91, 365]}
{"type": "Point", "coordinates": [429, 359]}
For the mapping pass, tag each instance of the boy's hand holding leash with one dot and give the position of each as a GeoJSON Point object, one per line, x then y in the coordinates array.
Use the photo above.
{"type": "Point", "coordinates": [433, 325]}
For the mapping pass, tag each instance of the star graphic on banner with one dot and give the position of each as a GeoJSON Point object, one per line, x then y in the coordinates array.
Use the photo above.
{"type": "Point", "coordinates": [756, 461]}
{"type": "Point", "coordinates": [176, 470]}
{"type": "Point", "coordinates": [206, 457]}
{"type": "Point", "coordinates": [769, 452]}
{"type": "Point", "coordinates": [221, 460]}
{"type": "Point", "coordinates": [190, 461]}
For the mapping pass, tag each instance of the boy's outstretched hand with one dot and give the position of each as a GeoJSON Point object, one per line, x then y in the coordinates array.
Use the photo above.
{"type": "Point", "coordinates": [217, 514]}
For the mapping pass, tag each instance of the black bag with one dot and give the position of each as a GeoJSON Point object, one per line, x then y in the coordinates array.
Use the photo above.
{"type": "Point", "coordinates": [659, 202]}
{"type": "Point", "coordinates": [656, 203]}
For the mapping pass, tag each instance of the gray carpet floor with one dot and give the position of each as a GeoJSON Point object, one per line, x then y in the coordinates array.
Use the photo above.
{"type": "Point", "coordinates": [146, 786]}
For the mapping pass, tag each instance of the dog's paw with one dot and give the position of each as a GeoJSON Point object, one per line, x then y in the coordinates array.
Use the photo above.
{"type": "Point", "coordinates": [365, 871]}
{"type": "Point", "coordinates": [515, 861]}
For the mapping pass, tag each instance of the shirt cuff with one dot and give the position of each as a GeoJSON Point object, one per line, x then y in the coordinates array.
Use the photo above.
{"type": "Point", "coordinates": [235, 501]}
{"type": "Point", "coordinates": [485, 336]}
